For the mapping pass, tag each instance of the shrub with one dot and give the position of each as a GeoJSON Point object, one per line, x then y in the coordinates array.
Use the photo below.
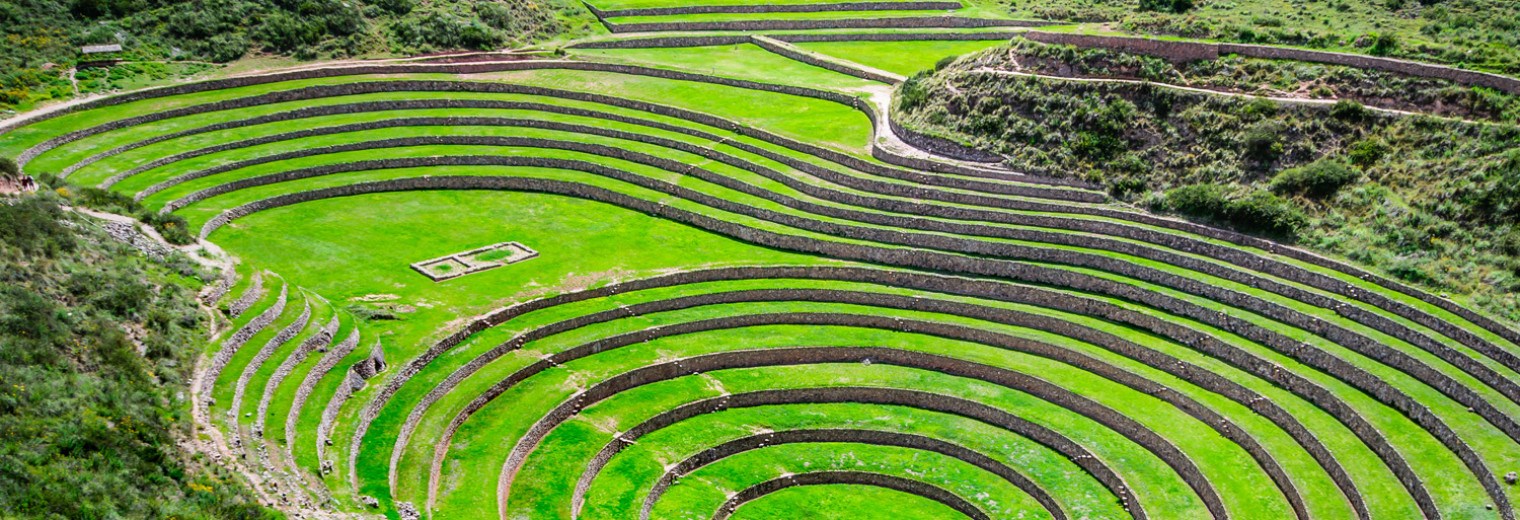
{"type": "Point", "coordinates": [494, 14]}
{"type": "Point", "coordinates": [1368, 152]}
{"type": "Point", "coordinates": [1262, 142]}
{"type": "Point", "coordinates": [1261, 107]}
{"type": "Point", "coordinates": [912, 94]}
{"type": "Point", "coordinates": [1127, 186]}
{"type": "Point", "coordinates": [1320, 178]}
{"type": "Point", "coordinates": [1348, 110]}
{"type": "Point", "coordinates": [944, 62]}
{"type": "Point", "coordinates": [1258, 212]}
{"type": "Point", "coordinates": [1166, 6]}
{"type": "Point", "coordinates": [1097, 146]}
{"type": "Point", "coordinates": [396, 6]}
{"type": "Point", "coordinates": [286, 33]}
{"type": "Point", "coordinates": [172, 227]}
{"type": "Point", "coordinates": [1384, 45]}
{"type": "Point", "coordinates": [1201, 200]}
{"type": "Point", "coordinates": [1265, 212]}
{"type": "Point", "coordinates": [444, 31]}
{"type": "Point", "coordinates": [105, 200]}
{"type": "Point", "coordinates": [1497, 198]}
{"type": "Point", "coordinates": [8, 168]}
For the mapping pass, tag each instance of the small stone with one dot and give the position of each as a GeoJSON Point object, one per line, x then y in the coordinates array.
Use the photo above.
{"type": "Point", "coordinates": [369, 501]}
{"type": "Point", "coordinates": [1511, 477]}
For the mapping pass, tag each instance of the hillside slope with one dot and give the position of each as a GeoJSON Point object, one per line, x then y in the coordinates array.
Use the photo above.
{"type": "Point", "coordinates": [97, 339]}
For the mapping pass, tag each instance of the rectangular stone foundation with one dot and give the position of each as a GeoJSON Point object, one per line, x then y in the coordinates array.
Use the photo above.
{"type": "Point", "coordinates": [473, 261]}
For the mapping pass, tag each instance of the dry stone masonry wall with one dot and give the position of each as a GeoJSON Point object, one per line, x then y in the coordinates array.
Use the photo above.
{"type": "Point", "coordinates": [865, 478]}
{"type": "Point", "coordinates": [233, 343]}
{"type": "Point", "coordinates": [264, 354]}
{"type": "Point", "coordinates": [315, 342]}
{"type": "Point", "coordinates": [763, 8]}
{"type": "Point", "coordinates": [324, 365]}
{"type": "Point", "coordinates": [871, 437]}
{"type": "Point", "coordinates": [250, 296]}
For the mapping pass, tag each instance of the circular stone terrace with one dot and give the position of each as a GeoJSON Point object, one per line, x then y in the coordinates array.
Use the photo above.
{"type": "Point", "coordinates": [691, 269]}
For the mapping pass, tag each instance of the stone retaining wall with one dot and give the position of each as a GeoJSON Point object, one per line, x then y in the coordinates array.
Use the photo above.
{"type": "Point", "coordinates": [980, 289]}
{"type": "Point", "coordinates": [372, 365]}
{"type": "Point", "coordinates": [1174, 50]}
{"type": "Point", "coordinates": [357, 379]}
{"type": "Point", "coordinates": [309, 384]}
{"type": "Point", "coordinates": [854, 436]}
{"type": "Point", "coordinates": [707, 41]}
{"type": "Point", "coordinates": [263, 355]}
{"type": "Point", "coordinates": [249, 297]}
{"type": "Point", "coordinates": [1030, 189]}
{"type": "Point", "coordinates": [219, 289]}
{"type": "Point", "coordinates": [991, 268]}
{"type": "Point", "coordinates": [317, 92]}
{"type": "Point", "coordinates": [233, 343]}
{"type": "Point", "coordinates": [913, 22]}
{"type": "Point", "coordinates": [824, 62]}
{"type": "Point", "coordinates": [353, 381]}
{"type": "Point", "coordinates": [777, 8]}
{"type": "Point", "coordinates": [940, 145]}
{"type": "Point", "coordinates": [1409, 68]}
{"type": "Point", "coordinates": [863, 478]}
{"type": "Point", "coordinates": [662, 42]}
{"type": "Point", "coordinates": [899, 36]}
{"type": "Point", "coordinates": [318, 341]}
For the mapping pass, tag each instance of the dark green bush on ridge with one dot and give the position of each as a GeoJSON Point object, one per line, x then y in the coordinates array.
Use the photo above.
{"type": "Point", "coordinates": [1349, 110]}
{"type": "Point", "coordinates": [1368, 152]}
{"type": "Point", "coordinates": [1168, 6]}
{"type": "Point", "coordinates": [1384, 44]}
{"type": "Point", "coordinates": [1263, 142]}
{"type": "Point", "coordinates": [1256, 212]}
{"type": "Point", "coordinates": [1318, 179]}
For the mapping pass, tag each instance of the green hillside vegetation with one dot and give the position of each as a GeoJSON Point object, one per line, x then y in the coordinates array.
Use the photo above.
{"type": "Point", "coordinates": [96, 342]}
{"type": "Point", "coordinates": [1473, 33]}
{"type": "Point", "coordinates": [1430, 199]}
{"type": "Point", "coordinates": [173, 39]}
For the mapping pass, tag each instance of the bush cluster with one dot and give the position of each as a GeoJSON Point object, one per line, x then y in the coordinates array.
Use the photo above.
{"type": "Point", "coordinates": [1321, 178]}
{"type": "Point", "coordinates": [1256, 212]}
